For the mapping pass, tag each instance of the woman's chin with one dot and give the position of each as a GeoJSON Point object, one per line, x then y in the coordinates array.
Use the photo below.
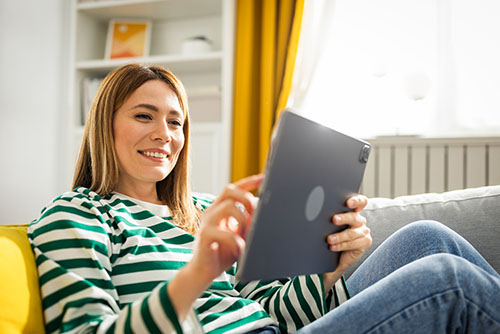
{"type": "Point", "coordinates": [158, 174]}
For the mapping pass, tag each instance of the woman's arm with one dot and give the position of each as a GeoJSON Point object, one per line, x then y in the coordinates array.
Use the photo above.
{"type": "Point", "coordinates": [218, 243]}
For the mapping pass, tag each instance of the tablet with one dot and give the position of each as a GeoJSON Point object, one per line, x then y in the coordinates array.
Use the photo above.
{"type": "Point", "coordinates": [310, 173]}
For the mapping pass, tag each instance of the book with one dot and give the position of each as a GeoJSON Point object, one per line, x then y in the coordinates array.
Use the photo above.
{"type": "Point", "coordinates": [90, 85]}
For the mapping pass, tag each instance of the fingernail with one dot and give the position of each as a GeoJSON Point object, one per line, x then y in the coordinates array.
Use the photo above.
{"type": "Point", "coordinates": [333, 247]}
{"type": "Point", "coordinates": [338, 219]}
{"type": "Point", "coordinates": [332, 240]}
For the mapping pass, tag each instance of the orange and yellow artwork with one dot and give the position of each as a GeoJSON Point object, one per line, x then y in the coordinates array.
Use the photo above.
{"type": "Point", "coordinates": [128, 39]}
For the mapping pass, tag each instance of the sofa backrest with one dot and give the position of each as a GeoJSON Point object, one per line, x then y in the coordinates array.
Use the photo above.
{"type": "Point", "coordinates": [474, 213]}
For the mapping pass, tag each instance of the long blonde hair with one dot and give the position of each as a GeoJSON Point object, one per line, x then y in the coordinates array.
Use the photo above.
{"type": "Point", "coordinates": [97, 164]}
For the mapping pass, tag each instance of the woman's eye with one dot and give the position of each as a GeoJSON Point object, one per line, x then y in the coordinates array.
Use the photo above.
{"type": "Point", "coordinates": [143, 116]}
{"type": "Point", "coordinates": [176, 123]}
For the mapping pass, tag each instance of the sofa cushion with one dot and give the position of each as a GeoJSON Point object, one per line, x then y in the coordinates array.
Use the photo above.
{"type": "Point", "coordinates": [20, 306]}
{"type": "Point", "coordinates": [474, 213]}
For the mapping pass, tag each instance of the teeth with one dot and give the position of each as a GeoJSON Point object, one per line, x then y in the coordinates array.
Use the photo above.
{"type": "Point", "coordinates": [155, 155]}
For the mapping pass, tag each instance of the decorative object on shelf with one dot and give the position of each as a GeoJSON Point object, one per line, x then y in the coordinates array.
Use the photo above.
{"type": "Point", "coordinates": [196, 44]}
{"type": "Point", "coordinates": [128, 38]}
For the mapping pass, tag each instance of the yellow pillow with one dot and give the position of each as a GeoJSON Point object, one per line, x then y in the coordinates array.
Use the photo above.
{"type": "Point", "coordinates": [20, 303]}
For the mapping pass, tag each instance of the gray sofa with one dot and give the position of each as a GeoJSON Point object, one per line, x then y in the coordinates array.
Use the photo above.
{"type": "Point", "coordinates": [474, 213]}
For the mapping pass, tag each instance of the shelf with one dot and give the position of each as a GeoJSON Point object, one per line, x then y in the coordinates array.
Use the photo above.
{"type": "Point", "coordinates": [153, 9]}
{"type": "Point", "coordinates": [176, 63]}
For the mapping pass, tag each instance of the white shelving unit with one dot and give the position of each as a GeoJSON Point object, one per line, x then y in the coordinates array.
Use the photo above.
{"type": "Point", "coordinates": [208, 77]}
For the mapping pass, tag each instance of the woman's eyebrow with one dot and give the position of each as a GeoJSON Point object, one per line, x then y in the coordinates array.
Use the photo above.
{"type": "Point", "coordinates": [176, 113]}
{"type": "Point", "coordinates": [147, 106]}
{"type": "Point", "coordinates": [154, 108]}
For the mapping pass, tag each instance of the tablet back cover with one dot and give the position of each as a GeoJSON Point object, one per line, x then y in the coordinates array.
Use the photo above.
{"type": "Point", "coordinates": [311, 171]}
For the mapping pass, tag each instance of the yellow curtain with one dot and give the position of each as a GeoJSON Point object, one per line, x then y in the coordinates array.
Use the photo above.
{"type": "Point", "coordinates": [267, 36]}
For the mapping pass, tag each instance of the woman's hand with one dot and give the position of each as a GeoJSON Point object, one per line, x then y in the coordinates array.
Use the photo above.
{"type": "Point", "coordinates": [219, 243]}
{"type": "Point", "coordinates": [352, 242]}
{"type": "Point", "coordinates": [220, 240]}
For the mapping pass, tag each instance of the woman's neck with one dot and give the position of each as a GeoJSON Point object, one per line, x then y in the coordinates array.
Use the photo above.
{"type": "Point", "coordinates": [143, 192]}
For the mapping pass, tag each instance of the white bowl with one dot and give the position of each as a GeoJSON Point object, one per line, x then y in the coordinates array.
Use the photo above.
{"type": "Point", "coordinates": [196, 45]}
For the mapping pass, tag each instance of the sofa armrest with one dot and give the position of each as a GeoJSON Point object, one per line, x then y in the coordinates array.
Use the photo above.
{"type": "Point", "coordinates": [474, 213]}
{"type": "Point", "coordinates": [20, 301]}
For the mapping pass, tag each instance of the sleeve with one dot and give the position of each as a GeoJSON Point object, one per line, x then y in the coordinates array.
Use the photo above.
{"type": "Point", "coordinates": [338, 294]}
{"type": "Point", "coordinates": [203, 200]}
{"type": "Point", "coordinates": [293, 302]}
{"type": "Point", "coordinates": [72, 242]}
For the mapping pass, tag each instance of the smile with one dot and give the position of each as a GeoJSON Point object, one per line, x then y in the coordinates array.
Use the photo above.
{"type": "Point", "coordinates": [154, 154]}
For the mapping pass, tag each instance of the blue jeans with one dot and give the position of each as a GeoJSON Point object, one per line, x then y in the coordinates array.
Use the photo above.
{"type": "Point", "coordinates": [425, 278]}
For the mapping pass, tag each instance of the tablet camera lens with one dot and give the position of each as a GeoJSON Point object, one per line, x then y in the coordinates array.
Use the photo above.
{"type": "Point", "coordinates": [365, 153]}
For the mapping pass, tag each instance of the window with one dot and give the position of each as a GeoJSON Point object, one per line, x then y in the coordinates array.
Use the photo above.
{"type": "Point", "coordinates": [421, 67]}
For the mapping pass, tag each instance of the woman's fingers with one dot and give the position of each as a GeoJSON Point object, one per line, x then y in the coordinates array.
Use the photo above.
{"type": "Point", "coordinates": [239, 192]}
{"type": "Point", "coordinates": [357, 235]}
{"type": "Point", "coordinates": [357, 202]}
{"type": "Point", "coordinates": [352, 219]}
{"type": "Point", "coordinates": [350, 239]}
{"type": "Point", "coordinates": [228, 245]}
{"type": "Point", "coordinates": [250, 183]}
{"type": "Point", "coordinates": [224, 211]}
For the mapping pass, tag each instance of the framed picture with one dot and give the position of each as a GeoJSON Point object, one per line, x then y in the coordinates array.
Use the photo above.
{"type": "Point", "coordinates": [128, 38]}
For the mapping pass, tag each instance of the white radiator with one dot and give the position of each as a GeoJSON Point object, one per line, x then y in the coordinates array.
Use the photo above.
{"type": "Point", "coordinates": [411, 165]}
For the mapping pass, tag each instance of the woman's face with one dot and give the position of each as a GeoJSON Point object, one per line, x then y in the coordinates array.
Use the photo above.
{"type": "Point", "coordinates": [148, 132]}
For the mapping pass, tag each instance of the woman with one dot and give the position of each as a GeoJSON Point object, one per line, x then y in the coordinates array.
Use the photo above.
{"type": "Point", "coordinates": [118, 254]}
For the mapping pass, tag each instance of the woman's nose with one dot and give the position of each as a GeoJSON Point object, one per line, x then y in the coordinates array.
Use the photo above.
{"type": "Point", "coordinates": [161, 133]}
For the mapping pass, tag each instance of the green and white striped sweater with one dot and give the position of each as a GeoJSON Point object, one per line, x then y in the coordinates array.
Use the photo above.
{"type": "Point", "coordinates": [104, 264]}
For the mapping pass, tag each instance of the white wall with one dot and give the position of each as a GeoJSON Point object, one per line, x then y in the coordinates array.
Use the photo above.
{"type": "Point", "coordinates": [32, 74]}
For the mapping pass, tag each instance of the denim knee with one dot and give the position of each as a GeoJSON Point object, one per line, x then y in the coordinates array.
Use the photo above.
{"type": "Point", "coordinates": [449, 271]}
{"type": "Point", "coordinates": [427, 226]}
{"type": "Point", "coordinates": [427, 237]}
{"type": "Point", "coordinates": [433, 236]}
{"type": "Point", "coordinates": [457, 292]}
